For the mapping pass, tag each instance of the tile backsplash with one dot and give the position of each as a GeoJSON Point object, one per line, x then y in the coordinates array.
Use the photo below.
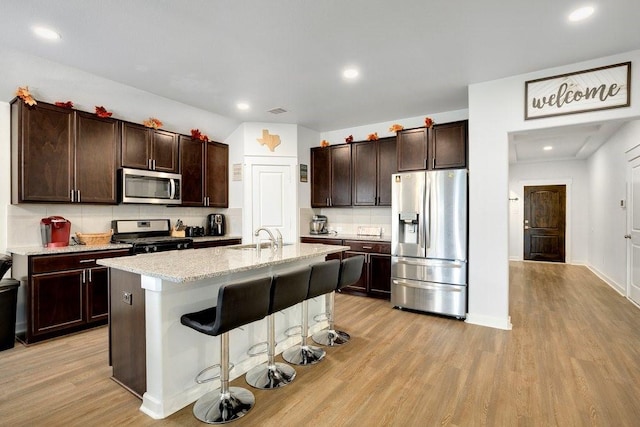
{"type": "Point", "coordinates": [23, 221]}
{"type": "Point", "coordinates": [347, 220]}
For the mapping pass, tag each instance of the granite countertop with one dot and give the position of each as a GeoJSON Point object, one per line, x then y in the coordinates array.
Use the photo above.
{"type": "Point", "coordinates": [39, 250]}
{"type": "Point", "coordinates": [189, 266]}
{"type": "Point", "coordinates": [383, 238]}
{"type": "Point", "coordinates": [214, 238]}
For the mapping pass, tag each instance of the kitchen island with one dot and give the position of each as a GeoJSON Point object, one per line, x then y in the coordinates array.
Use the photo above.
{"type": "Point", "coordinates": [154, 355]}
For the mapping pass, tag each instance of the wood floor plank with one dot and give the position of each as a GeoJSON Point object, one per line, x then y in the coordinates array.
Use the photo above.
{"type": "Point", "coordinates": [572, 359]}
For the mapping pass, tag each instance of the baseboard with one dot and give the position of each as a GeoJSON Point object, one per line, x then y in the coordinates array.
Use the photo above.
{"type": "Point", "coordinates": [489, 321]}
{"type": "Point", "coordinates": [616, 287]}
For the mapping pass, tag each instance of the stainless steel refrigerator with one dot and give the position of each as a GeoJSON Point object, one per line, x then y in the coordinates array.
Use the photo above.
{"type": "Point", "coordinates": [429, 241]}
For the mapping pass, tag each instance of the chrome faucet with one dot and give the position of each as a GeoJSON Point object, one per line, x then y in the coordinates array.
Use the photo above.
{"type": "Point", "coordinates": [271, 238]}
{"type": "Point", "coordinates": [279, 243]}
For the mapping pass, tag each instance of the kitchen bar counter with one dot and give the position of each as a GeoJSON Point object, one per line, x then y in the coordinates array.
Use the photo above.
{"type": "Point", "coordinates": [154, 355]}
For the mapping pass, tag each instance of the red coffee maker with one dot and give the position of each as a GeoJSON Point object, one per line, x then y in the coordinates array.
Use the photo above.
{"type": "Point", "coordinates": [55, 231]}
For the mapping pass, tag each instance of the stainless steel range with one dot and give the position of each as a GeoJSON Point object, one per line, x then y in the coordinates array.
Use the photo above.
{"type": "Point", "coordinates": [148, 235]}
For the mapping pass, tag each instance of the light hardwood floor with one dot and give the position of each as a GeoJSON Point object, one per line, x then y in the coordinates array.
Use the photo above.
{"type": "Point", "coordinates": [572, 359]}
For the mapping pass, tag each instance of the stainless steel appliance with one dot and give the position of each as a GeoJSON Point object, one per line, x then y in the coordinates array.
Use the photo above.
{"type": "Point", "coordinates": [55, 231]}
{"type": "Point", "coordinates": [318, 225]}
{"type": "Point", "coordinates": [149, 187]}
{"type": "Point", "coordinates": [147, 235]}
{"type": "Point", "coordinates": [215, 223]}
{"type": "Point", "coordinates": [429, 241]}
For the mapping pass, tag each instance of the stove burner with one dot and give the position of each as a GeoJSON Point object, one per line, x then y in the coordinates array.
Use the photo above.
{"type": "Point", "coordinates": [148, 236]}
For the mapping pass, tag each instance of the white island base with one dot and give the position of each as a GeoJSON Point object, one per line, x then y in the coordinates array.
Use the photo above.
{"type": "Point", "coordinates": [175, 353]}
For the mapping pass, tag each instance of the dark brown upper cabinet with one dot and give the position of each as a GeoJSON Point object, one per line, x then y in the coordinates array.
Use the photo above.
{"type": "Point", "coordinates": [62, 155]}
{"type": "Point", "coordinates": [147, 148]}
{"type": "Point", "coordinates": [448, 145]}
{"type": "Point", "coordinates": [373, 163]}
{"type": "Point", "coordinates": [444, 146]}
{"type": "Point", "coordinates": [205, 173]}
{"type": "Point", "coordinates": [331, 176]}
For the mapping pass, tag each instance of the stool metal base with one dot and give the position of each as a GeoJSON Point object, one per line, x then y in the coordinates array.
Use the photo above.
{"type": "Point", "coordinates": [331, 337]}
{"type": "Point", "coordinates": [218, 408]}
{"type": "Point", "coordinates": [303, 355]}
{"type": "Point", "coordinates": [267, 377]}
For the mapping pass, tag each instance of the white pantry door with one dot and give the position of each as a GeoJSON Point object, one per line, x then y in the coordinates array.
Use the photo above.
{"type": "Point", "coordinates": [633, 282]}
{"type": "Point", "coordinates": [273, 199]}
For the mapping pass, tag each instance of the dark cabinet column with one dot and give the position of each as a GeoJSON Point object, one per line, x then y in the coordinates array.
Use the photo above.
{"type": "Point", "coordinates": [164, 150]}
{"type": "Point", "coordinates": [380, 275]}
{"type": "Point", "coordinates": [217, 174]}
{"type": "Point", "coordinates": [320, 177]}
{"type": "Point", "coordinates": [136, 150]}
{"type": "Point", "coordinates": [42, 152]}
{"type": "Point", "coordinates": [364, 157]}
{"type": "Point", "coordinates": [412, 149]}
{"type": "Point", "coordinates": [387, 166]}
{"type": "Point", "coordinates": [192, 168]}
{"type": "Point", "coordinates": [97, 284]}
{"type": "Point", "coordinates": [66, 289]}
{"type": "Point", "coordinates": [95, 159]}
{"type": "Point", "coordinates": [448, 146]}
{"type": "Point", "coordinates": [340, 176]}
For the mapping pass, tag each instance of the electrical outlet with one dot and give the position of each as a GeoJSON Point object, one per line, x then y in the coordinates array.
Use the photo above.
{"type": "Point", "coordinates": [127, 297]}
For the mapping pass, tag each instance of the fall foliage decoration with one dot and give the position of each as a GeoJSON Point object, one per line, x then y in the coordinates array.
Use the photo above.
{"type": "Point", "coordinates": [349, 138]}
{"type": "Point", "coordinates": [64, 104]}
{"type": "Point", "coordinates": [324, 143]}
{"type": "Point", "coordinates": [372, 136]}
{"type": "Point", "coordinates": [428, 122]}
{"type": "Point", "coordinates": [24, 94]}
{"type": "Point", "coordinates": [197, 135]}
{"type": "Point", "coordinates": [102, 112]}
{"type": "Point", "coordinates": [152, 122]}
{"type": "Point", "coordinates": [395, 128]}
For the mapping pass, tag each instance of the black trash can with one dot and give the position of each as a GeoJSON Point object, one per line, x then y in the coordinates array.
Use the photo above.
{"type": "Point", "coordinates": [8, 301]}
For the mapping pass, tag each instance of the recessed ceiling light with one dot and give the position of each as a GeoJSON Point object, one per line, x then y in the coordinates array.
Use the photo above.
{"type": "Point", "coordinates": [46, 33]}
{"type": "Point", "coordinates": [581, 13]}
{"type": "Point", "coordinates": [547, 148]}
{"type": "Point", "coordinates": [350, 73]}
{"type": "Point", "coordinates": [242, 106]}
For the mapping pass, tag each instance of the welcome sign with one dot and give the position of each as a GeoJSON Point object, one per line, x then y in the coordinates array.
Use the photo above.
{"type": "Point", "coordinates": [595, 89]}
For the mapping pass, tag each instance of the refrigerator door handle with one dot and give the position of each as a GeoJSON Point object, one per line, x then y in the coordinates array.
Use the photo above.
{"type": "Point", "coordinates": [429, 286]}
{"type": "Point", "coordinates": [431, 263]}
{"type": "Point", "coordinates": [427, 213]}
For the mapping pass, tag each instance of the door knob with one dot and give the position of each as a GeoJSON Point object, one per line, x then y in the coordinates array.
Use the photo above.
{"type": "Point", "coordinates": [627, 236]}
{"type": "Point", "coordinates": [526, 227]}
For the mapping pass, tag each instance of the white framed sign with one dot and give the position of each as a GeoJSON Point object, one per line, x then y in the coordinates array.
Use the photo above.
{"type": "Point", "coordinates": [589, 90]}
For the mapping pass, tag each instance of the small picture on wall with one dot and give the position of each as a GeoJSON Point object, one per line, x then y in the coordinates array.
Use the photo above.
{"type": "Point", "coordinates": [303, 173]}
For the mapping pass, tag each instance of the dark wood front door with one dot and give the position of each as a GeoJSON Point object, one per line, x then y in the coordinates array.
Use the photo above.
{"type": "Point", "coordinates": [544, 223]}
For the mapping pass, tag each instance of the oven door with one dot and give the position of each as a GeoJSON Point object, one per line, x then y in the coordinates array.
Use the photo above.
{"type": "Point", "coordinates": [150, 187]}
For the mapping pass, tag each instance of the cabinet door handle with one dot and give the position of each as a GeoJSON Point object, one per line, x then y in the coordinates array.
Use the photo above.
{"type": "Point", "coordinates": [154, 164]}
{"type": "Point", "coordinates": [149, 164]}
{"type": "Point", "coordinates": [433, 163]}
{"type": "Point", "coordinates": [367, 247]}
{"type": "Point", "coordinates": [90, 276]}
{"type": "Point", "coordinates": [72, 195]}
{"type": "Point", "coordinates": [78, 196]}
{"type": "Point", "coordinates": [84, 276]}
{"type": "Point", "coordinates": [83, 261]}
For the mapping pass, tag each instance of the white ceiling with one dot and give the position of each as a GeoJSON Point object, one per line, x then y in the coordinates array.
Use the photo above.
{"type": "Point", "coordinates": [416, 56]}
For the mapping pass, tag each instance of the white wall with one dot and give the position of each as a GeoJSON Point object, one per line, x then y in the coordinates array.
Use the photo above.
{"type": "Point", "coordinates": [574, 175]}
{"type": "Point", "coordinates": [608, 225]}
{"type": "Point", "coordinates": [496, 108]}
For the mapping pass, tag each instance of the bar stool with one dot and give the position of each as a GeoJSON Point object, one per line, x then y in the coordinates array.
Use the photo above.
{"type": "Point", "coordinates": [350, 272]}
{"type": "Point", "coordinates": [324, 278]}
{"type": "Point", "coordinates": [286, 290]}
{"type": "Point", "coordinates": [238, 304]}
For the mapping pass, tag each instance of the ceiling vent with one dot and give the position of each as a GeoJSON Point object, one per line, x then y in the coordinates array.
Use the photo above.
{"type": "Point", "coordinates": [277, 111]}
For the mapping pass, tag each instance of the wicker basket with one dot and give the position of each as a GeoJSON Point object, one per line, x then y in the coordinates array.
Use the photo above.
{"type": "Point", "coordinates": [94, 239]}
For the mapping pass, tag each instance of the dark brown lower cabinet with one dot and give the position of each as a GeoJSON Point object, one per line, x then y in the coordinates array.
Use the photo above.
{"type": "Point", "coordinates": [376, 272]}
{"type": "Point", "coordinates": [64, 293]}
{"type": "Point", "coordinates": [215, 243]}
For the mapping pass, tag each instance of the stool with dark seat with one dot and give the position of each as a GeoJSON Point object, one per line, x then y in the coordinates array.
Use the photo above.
{"type": "Point", "coordinates": [324, 279]}
{"type": "Point", "coordinates": [287, 289]}
{"type": "Point", "coordinates": [238, 304]}
{"type": "Point", "coordinates": [350, 272]}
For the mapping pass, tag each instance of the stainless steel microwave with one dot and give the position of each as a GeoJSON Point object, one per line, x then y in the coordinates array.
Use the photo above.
{"type": "Point", "coordinates": [149, 187]}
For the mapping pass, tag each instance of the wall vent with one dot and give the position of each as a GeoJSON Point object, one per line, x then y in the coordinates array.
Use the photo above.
{"type": "Point", "coordinates": [277, 111]}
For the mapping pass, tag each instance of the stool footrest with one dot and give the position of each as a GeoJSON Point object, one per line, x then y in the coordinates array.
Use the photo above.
{"type": "Point", "coordinates": [320, 317]}
{"type": "Point", "coordinates": [293, 331]}
{"type": "Point", "coordinates": [199, 379]}
{"type": "Point", "coordinates": [255, 351]}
